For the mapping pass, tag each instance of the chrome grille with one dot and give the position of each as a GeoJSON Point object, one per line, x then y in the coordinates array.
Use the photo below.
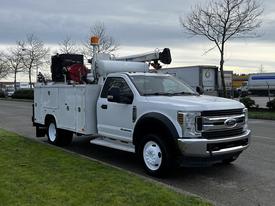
{"type": "Point", "coordinates": [221, 123]}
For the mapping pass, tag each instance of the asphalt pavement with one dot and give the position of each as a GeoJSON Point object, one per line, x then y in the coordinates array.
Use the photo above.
{"type": "Point", "coordinates": [248, 181]}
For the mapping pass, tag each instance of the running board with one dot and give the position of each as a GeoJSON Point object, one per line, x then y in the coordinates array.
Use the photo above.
{"type": "Point", "coordinates": [115, 144]}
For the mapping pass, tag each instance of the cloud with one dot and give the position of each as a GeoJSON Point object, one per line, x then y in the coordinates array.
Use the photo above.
{"type": "Point", "coordinates": [132, 22]}
{"type": "Point", "coordinates": [137, 25]}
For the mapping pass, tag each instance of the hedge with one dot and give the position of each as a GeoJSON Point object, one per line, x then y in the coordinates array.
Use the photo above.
{"type": "Point", "coordinates": [271, 104]}
{"type": "Point", "coordinates": [2, 94]}
{"type": "Point", "coordinates": [23, 94]}
{"type": "Point", "coordinates": [248, 102]}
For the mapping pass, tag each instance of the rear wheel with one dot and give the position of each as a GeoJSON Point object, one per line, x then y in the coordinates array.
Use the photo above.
{"type": "Point", "coordinates": [154, 155]}
{"type": "Point", "coordinates": [57, 136]}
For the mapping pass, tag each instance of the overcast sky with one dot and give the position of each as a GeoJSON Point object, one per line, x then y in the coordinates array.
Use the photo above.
{"type": "Point", "coordinates": [138, 26]}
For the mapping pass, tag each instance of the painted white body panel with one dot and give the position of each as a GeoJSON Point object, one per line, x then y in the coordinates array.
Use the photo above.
{"type": "Point", "coordinates": [116, 121]}
{"type": "Point", "coordinates": [261, 81]}
{"type": "Point", "coordinates": [106, 67]}
{"type": "Point", "coordinates": [169, 106]}
{"type": "Point", "coordinates": [73, 106]}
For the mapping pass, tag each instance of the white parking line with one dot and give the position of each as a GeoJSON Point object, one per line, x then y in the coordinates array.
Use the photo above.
{"type": "Point", "coordinates": [262, 137]}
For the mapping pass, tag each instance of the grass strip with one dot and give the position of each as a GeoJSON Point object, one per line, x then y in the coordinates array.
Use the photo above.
{"type": "Point", "coordinates": [36, 174]}
{"type": "Point", "coordinates": [269, 115]}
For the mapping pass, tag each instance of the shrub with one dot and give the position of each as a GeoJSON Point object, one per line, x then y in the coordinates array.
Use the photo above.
{"type": "Point", "coordinates": [23, 94]}
{"type": "Point", "coordinates": [271, 104]}
{"type": "Point", "coordinates": [2, 94]}
{"type": "Point", "coordinates": [244, 94]}
{"type": "Point", "coordinates": [248, 102]}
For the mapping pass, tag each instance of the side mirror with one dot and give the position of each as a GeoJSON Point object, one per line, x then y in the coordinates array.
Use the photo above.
{"type": "Point", "coordinates": [199, 90]}
{"type": "Point", "coordinates": [113, 95]}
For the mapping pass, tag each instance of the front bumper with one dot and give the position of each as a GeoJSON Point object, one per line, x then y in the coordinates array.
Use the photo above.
{"type": "Point", "coordinates": [205, 148]}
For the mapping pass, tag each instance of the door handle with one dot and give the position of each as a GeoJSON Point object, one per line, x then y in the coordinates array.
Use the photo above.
{"type": "Point", "coordinates": [104, 106]}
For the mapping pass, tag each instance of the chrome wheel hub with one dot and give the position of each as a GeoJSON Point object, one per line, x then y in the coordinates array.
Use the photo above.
{"type": "Point", "coordinates": [152, 155]}
{"type": "Point", "coordinates": [52, 132]}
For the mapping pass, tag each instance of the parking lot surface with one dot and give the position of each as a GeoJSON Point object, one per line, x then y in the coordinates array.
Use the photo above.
{"type": "Point", "coordinates": [248, 181]}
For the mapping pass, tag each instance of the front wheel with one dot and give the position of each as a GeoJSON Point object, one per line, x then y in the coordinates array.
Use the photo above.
{"type": "Point", "coordinates": [154, 155]}
{"type": "Point", "coordinates": [57, 136]}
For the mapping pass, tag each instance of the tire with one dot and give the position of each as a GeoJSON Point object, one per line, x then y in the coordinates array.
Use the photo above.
{"type": "Point", "coordinates": [57, 136]}
{"type": "Point", "coordinates": [154, 155]}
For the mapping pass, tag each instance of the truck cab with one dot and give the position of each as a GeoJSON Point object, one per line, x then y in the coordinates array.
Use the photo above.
{"type": "Point", "coordinates": [157, 114]}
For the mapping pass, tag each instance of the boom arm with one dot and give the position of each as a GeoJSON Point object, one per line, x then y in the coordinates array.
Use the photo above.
{"type": "Point", "coordinates": [164, 57]}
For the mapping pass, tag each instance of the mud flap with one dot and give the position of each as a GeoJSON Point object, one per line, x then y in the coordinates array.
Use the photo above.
{"type": "Point", "coordinates": [40, 131]}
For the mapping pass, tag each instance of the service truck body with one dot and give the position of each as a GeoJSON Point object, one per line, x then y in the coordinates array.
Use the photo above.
{"type": "Point", "coordinates": [155, 115]}
{"type": "Point", "coordinates": [72, 106]}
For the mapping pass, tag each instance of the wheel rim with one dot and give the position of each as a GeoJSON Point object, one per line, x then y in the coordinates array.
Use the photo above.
{"type": "Point", "coordinates": [52, 132]}
{"type": "Point", "coordinates": [152, 155]}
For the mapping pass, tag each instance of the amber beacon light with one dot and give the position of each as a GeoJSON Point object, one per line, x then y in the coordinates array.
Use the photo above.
{"type": "Point", "coordinates": [94, 40]}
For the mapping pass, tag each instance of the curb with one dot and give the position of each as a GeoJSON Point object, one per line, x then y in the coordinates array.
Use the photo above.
{"type": "Point", "coordinates": [16, 100]}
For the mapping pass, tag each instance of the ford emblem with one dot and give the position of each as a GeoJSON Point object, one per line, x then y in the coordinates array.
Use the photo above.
{"type": "Point", "coordinates": [230, 123]}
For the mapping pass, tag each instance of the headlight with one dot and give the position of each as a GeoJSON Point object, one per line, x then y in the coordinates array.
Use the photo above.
{"type": "Point", "coordinates": [245, 111]}
{"type": "Point", "coordinates": [187, 121]}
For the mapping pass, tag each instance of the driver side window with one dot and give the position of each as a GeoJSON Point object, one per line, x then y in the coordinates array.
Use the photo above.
{"type": "Point", "coordinates": [116, 82]}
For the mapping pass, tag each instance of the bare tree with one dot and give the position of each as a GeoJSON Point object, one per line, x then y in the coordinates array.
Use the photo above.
{"type": "Point", "coordinates": [34, 54]}
{"type": "Point", "coordinates": [107, 43]}
{"type": "Point", "coordinates": [3, 66]}
{"type": "Point", "coordinates": [14, 62]}
{"type": "Point", "coordinates": [68, 46]}
{"type": "Point", "coordinates": [221, 20]}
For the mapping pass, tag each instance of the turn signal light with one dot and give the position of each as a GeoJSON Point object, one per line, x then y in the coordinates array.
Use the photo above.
{"type": "Point", "coordinates": [180, 118]}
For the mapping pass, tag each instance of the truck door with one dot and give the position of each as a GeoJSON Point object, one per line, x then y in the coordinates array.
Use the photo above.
{"type": "Point", "coordinates": [115, 119]}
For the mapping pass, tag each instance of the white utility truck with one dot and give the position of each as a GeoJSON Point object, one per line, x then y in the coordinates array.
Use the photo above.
{"type": "Point", "coordinates": [261, 83]}
{"type": "Point", "coordinates": [125, 106]}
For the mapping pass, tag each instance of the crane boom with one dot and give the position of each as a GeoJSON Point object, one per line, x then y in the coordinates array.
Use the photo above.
{"type": "Point", "coordinates": [164, 57]}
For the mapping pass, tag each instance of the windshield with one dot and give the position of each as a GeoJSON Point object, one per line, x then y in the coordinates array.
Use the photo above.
{"type": "Point", "coordinates": [161, 85]}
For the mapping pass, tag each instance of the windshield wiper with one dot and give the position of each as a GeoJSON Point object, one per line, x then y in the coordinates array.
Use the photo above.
{"type": "Point", "coordinates": [169, 94]}
{"type": "Point", "coordinates": [159, 94]}
{"type": "Point", "coordinates": [184, 93]}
